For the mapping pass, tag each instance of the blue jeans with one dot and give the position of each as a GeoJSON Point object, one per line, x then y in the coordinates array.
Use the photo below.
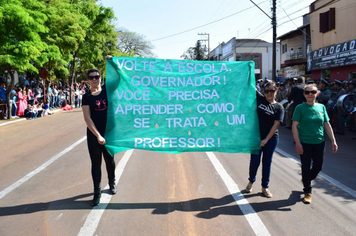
{"type": "Point", "coordinates": [58, 101]}
{"type": "Point", "coordinates": [51, 101]}
{"type": "Point", "coordinates": [315, 153]}
{"type": "Point", "coordinates": [255, 160]}
{"type": "Point", "coordinates": [14, 107]}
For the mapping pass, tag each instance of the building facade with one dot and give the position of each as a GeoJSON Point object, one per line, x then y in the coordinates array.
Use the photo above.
{"type": "Point", "coordinates": [255, 50]}
{"type": "Point", "coordinates": [333, 40]}
{"type": "Point", "coordinates": [295, 46]}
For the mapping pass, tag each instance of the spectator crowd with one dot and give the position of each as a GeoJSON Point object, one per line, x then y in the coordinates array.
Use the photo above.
{"type": "Point", "coordinates": [31, 99]}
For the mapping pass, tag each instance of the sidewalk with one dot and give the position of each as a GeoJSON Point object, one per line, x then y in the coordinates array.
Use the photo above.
{"type": "Point", "coordinates": [14, 120]}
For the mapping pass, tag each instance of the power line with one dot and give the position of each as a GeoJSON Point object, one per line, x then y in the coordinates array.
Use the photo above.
{"type": "Point", "coordinates": [295, 24]}
{"type": "Point", "coordinates": [255, 29]}
{"type": "Point", "coordinates": [204, 24]}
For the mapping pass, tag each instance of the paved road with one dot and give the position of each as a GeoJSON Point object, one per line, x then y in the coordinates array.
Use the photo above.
{"type": "Point", "coordinates": [46, 189]}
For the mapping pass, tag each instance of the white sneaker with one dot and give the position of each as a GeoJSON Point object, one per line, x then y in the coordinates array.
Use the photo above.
{"type": "Point", "coordinates": [249, 187]}
{"type": "Point", "coordinates": [266, 192]}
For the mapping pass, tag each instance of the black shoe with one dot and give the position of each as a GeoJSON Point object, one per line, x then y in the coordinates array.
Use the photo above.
{"type": "Point", "coordinates": [96, 199]}
{"type": "Point", "coordinates": [113, 188]}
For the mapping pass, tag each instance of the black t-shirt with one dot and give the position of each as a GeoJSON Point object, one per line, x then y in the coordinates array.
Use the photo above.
{"type": "Point", "coordinates": [297, 95]}
{"type": "Point", "coordinates": [267, 114]}
{"type": "Point", "coordinates": [98, 109]}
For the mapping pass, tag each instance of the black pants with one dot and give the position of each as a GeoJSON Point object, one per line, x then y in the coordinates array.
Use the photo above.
{"type": "Point", "coordinates": [290, 111]}
{"type": "Point", "coordinates": [96, 151]}
{"type": "Point", "coordinates": [312, 154]}
{"type": "Point", "coordinates": [339, 120]}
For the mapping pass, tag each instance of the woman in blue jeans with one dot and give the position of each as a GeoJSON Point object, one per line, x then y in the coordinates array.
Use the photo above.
{"type": "Point", "coordinates": [270, 116]}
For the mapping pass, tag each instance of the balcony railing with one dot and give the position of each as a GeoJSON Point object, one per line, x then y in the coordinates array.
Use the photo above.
{"type": "Point", "coordinates": [296, 54]}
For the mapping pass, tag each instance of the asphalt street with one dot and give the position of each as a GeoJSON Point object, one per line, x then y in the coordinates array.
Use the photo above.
{"type": "Point", "coordinates": [46, 188]}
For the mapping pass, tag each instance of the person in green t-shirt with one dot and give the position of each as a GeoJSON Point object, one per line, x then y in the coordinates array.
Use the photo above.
{"type": "Point", "coordinates": [310, 119]}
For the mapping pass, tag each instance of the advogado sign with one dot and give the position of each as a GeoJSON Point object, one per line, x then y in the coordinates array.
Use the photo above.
{"type": "Point", "coordinates": [341, 54]}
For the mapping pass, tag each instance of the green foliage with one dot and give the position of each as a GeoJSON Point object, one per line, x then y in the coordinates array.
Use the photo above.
{"type": "Point", "coordinates": [66, 37]}
{"type": "Point", "coordinates": [20, 33]}
{"type": "Point", "coordinates": [63, 36]}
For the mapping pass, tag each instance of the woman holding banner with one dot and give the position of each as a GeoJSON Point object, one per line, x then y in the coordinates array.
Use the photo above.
{"type": "Point", "coordinates": [270, 116]}
{"type": "Point", "coordinates": [94, 106]}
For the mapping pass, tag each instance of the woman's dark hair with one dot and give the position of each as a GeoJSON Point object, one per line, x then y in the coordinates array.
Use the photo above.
{"type": "Point", "coordinates": [93, 70]}
{"type": "Point", "coordinates": [64, 103]}
{"type": "Point", "coordinates": [270, 83]}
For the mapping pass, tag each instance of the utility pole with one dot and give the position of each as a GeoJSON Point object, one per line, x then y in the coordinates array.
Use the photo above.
{"type": "Point", "coordinates": [274, 36]}
{"type": "Point", "coordinates": [274, 46]}
{"type": "Point", "coordinates": [205, 34]}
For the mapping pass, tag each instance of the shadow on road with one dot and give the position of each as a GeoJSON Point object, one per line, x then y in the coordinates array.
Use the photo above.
{"type": "Point", "coordinates": [209, 207]}
{"type": "Point", "coordinates": [277, 205]}
{"type": "Point", "coordinates": [333, 190]}
{"type": "Point", "coordinates": [63, 204]}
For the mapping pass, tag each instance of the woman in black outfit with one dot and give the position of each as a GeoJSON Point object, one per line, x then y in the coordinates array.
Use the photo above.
{"type": "Point", "coordinates": [270, 116]}
{"type": "Point", "coordinates": [95, 104]}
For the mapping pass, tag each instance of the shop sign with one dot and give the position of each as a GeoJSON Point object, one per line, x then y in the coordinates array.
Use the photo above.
{"type": "Point", "coordinates": [337, 55]}
{"type": "Point", "coordinates": [294, 71]}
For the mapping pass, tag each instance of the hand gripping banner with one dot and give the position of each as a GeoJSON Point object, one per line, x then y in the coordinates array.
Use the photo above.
{"type": "Point", "coordinates": [178, 106]}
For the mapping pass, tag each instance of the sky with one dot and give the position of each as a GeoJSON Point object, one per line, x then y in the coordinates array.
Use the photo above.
{"type": "Point", "coordinates": [172, 26]}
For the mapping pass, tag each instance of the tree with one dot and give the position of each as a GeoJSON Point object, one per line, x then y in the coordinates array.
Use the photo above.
{"type": "Point", "coordinates": [95, 45]}
{"type": "Point", "coordinates": [66, 37]}
{"type": "Point", "coordinates": [189, 54]}
{"type": "Point", "coordinates": [196, 53]}
{"type": "Point", "coordinates": [134, 43]}
{"type": "Point", "coordinates": [100, 40]}
{"type": "Point", "coordinates": [61, 37]}
{"type": "Point", "coordinates": [20, 38]}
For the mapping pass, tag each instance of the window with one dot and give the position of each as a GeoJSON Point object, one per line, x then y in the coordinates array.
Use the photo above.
{"type": "Point", "coordinates": [284, 48]}
{"type": "Point", "coordinates": [250, 57]}
{"type": "Point", "coordinates": [327, 20]}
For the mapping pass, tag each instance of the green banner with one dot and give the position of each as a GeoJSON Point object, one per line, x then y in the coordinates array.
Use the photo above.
{"type": "Point", "coordinates": [178, 106]}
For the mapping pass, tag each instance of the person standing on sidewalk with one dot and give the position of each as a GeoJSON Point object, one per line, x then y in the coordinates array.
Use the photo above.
{"type": "Point", "coordinates": [95, 105]}
{"type": "Point", "coordinates": [270, 115]}
{"type": "Point", "coordinates": [310, 119]}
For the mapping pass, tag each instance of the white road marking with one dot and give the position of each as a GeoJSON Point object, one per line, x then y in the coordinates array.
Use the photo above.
{"type": "Point", "coordinates": [22, 119]}
{"type": "Point", "coordinates": [59, 216]}
{"type": "Point", "coordinates": [92, 221]}
{"type": "Point", "coordinates": [251, 216]}
{"type": "Point", "coordinates": [4, 192]}
{"type": "Point", "coordinates": [321, 174]}
{"type": "Point", "coordinates": [13, 121]}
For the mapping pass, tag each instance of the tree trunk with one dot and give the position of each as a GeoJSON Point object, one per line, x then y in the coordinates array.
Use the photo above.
{"type": "Point", "coordinates": [71, 79]}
